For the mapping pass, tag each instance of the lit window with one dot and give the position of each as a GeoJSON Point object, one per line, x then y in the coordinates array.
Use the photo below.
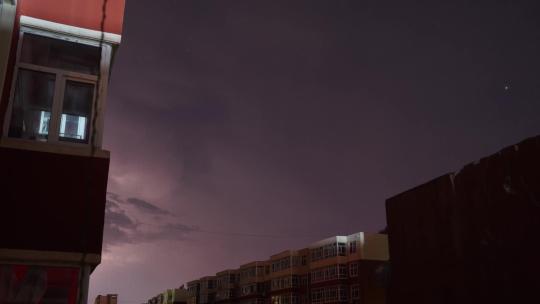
{"type": "Point", "coordinates": [55, 90]}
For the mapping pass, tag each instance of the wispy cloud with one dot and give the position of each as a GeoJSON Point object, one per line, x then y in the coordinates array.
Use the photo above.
{"type": "Point", "coordinates": [134, 220]}
{"type": "Point", "coordinates": [145, 206]}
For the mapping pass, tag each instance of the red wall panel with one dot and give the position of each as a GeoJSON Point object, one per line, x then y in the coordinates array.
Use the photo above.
{"type": "Point", "coordinates": [80, 13]}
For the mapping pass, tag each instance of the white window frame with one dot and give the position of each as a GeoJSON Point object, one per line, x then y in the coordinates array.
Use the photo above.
{"type": "Point", "coordinates": [53, 143]}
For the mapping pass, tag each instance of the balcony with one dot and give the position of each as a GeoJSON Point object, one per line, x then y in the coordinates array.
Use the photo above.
{"type": "Point", "coordinates": [52, 201]}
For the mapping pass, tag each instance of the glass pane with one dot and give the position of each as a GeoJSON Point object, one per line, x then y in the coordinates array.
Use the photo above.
{"type": "Point", "coordinates": [76, 112]}
{"type": "Point", "coordinates": [61, 54]}
{"type": "Point", "coordinates": [32, 105]}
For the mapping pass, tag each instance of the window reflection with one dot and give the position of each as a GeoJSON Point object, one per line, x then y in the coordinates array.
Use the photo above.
{"type": "Point", "coordinates": [32, 105]}
{"type": "Point", "coordinates": [60, 54]}
{"type": "Point", "coordinates": [76, 111]}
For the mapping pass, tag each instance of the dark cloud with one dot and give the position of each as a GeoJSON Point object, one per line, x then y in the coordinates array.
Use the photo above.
{"type": "Point", "coordinates": [125, 227]}
{"type": "Point", "coordinates": [146, 206]}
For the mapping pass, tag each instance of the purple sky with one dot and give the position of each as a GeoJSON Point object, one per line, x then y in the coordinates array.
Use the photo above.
{"type": "Point", "coordinates": [295, 121]}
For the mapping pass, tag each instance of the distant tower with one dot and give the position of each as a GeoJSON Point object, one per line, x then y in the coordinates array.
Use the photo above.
{"type": "Point", "coordinates": [55, 61]}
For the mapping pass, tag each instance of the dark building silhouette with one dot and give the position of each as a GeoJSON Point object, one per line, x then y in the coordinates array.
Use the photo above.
{"type": "Point", "coordinates": [470, 236]}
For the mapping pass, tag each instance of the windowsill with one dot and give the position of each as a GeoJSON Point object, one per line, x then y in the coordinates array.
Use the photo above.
{"type": "Point", "coordinates": [58, 148]}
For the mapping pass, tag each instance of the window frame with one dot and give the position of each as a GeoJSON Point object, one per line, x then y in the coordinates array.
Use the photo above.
{"type": "Point", "coordinates": [61, 77]}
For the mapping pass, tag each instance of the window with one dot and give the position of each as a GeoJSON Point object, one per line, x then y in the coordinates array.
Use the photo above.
{"type": "Point", "coordinates": [353, 269]}
{"type": "Point", "coordinates": [32, 105]}
{"type": "Point", "coordinates": [355, 292]}
{"type": "Point", "coordinates": [342, 271]}
{"type": "Point", "coordinates": [317, 254]}
{"type": "Point", "coordinates": [342, 249]}
{"type": "Point", "coordinates": [295, 281]}
{"type": "Point", "coordinates": [281, 264]}
{"type": "Point", "coordinates": [331, 294]}
{"type": "Point", "coordinates": [343, 291]}
{"type": "Point", "coordinates": [55, 88]}
{"type": "Point", "coordinates": [328, 251]}
{"type": "Point", "coordinates": [352, 247]}
{"type": "Point", "coordinates": [317, 295]}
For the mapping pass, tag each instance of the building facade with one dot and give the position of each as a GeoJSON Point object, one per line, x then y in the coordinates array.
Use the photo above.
{"type": "Point", "coordinates": [254, 284]}
{"type": "Point", "coordinates": [193, 289]}
{"type": "Point", "coordinates": [55, 62]}
{"type": "Point", "coordinates": [340, 269]}
{"type": "Point", "coordinates": [171, 296]}
{"type": "Point", "coordinates": [107, 299]}
{"type": "Point", "coordinates": [207, 290]}
{"type": "Point", "coordinates": [226, 286]}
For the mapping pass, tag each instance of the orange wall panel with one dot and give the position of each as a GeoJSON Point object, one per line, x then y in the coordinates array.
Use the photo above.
{"type": "Point", "coordinates": [80, 13]}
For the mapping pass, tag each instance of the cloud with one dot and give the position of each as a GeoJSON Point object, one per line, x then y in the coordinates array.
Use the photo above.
{"type": "Point", "coordinates": [135, 221]}
{"type": "Point", "coordinates": [146, 206]}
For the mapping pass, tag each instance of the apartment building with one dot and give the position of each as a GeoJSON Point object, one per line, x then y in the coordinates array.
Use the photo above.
{"type": "Point", "coordinates": [171, 296]}
{"type": "Point", "coordinates": [107, 299]}
{"type": "Point", "coordinates": [207, 290]}
{"type": "Point", "coordinates": [55, 63]}
{"type": "Point", "coordinates": [226, 286]}
{"type": "Point", "coordinates": [340, 269]}
{"type": "Point", "coordinates": [343, 269]}
{"type": "Point", "coordinates": [289, 277]}
{"type": "Point", "coordinates": [193, 290]}
{"type": "Point", "coordinates": [254, 282]}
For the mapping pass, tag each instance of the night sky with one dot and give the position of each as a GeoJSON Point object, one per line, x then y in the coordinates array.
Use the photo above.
{"type": "Point", "coordinates": [238, 129]}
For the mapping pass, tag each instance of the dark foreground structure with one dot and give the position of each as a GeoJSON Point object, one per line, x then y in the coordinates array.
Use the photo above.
{"type": "Point", "coordinates": [470, 236]}
{"type": "Point", "coordinates": [55, 60]}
